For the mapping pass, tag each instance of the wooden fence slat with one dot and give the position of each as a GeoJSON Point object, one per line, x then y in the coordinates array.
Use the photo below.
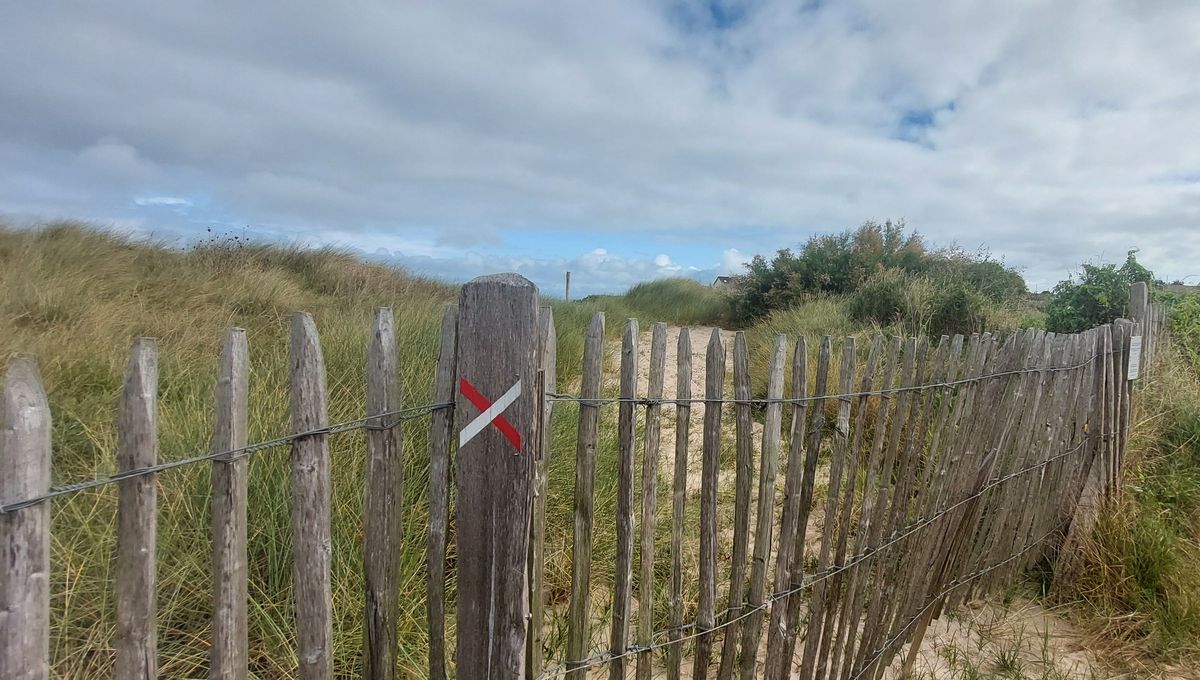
{"type": "Point", "coordinates": [310, 503]}
{"type": "Point", "coordinates": [837, 463]}
{"type": "Point", "coordinates": [743, 482]}
{"type": "Point", "coordinates": [714, 392]}
{"type": "Point", "coordinates": [645, 632]}
{"type": "Point", "coordinates": [793, 479]}
{"type": "Point", "coordinates": [683, 410]}
{"type": "Point", "coordinates": [838, 614]}
{"type": "Point", "coordinates": [25, 429]}
{"type": "Point", "coordinates": [767, 473]}
{"type": "Point", "coordinates": [816, 433]}
{"type": "Point", "coordinates": [383, 500]}
{"type": "Point", "coordinates": [498, 378]}
{"type": "Point", "coordinates": [867, 533]}
{"type": "Point", "coordinates": [883, 519]}
{"type": "Point", "coordinates": [578, 631]}
{"type": "Point", "coordinates": [626, 435]}
{"type": "Point", "coordinates": [548, 363]}
{"type": "Point", "coordinates": [228, 656]}
{"type": "Point", "coordinates": [962, 399]}
{"type": "Point", "coordinates": [137, 447]}
{"type": "Point", "coordinates": [441, 430]}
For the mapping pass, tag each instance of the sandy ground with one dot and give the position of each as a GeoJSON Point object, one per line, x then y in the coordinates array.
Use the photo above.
{"type": "Point", "coordinates": [980, 640]}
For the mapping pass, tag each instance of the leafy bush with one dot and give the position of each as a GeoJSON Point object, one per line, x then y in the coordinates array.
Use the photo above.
{"type": "Point", "coordinates": [1100, 295]}
{"type": "Point", "coordinates": [959, 309]}
{"type": "Point", "coordinates": [844, 263]}
{"type": "Point", "coordinates": [891, 296]}
{"type": "Point", "coordinates": [1185, 326]}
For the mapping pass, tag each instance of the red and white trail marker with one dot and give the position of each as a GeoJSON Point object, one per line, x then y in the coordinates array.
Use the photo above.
{"type": "Point", "coordinates": [492, 413]}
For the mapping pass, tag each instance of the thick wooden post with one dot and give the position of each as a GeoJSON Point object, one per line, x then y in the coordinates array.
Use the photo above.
{"type": "Point", "coordinates": [311, 541]}
{"type": "Point", "coordinates": [227, 659]}
{"type": "Point", "coordinates": [497, 411]}
{"type": "Point", "coordinates": [383, 500]}
{"type": "Point", "coordinates": [24, 533]}
{"type": "Point", "coordinates": [137, 447]}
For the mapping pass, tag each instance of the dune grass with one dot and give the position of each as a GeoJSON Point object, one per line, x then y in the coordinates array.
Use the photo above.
{"type": "Point", "coordinates": [1138, 588]}
{"type": "Point", "coordinates": [75, 298]}
{"type": "Point", "coordinates": [682, 301]}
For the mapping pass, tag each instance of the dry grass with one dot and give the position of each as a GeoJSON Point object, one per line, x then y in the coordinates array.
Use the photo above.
{"type": "Point", "coordinates": [1138, 588]}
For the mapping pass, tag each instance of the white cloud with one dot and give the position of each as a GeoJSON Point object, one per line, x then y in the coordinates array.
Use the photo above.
{"type": "Point", "coordinates": [1051, 132]}
{"type": "Point", "coordinates": [733, 261]}
{"type": "Point", "coordinates": [167, 201]}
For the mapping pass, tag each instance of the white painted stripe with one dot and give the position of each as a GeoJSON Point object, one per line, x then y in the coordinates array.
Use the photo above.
{"type": "Point", "coordinates": [484, 419]}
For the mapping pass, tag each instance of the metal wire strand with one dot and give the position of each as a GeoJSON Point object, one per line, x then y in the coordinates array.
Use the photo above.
{"type": "Point", "coordinates": [604, 657]}
{"type": "Point", "coordinates": [643, 401]}
{"type": "Point", "coordinates": [368, 423]}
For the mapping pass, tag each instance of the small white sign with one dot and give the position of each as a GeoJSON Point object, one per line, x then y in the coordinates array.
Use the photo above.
{"type": "Point", "coordinates": [1135, 356]}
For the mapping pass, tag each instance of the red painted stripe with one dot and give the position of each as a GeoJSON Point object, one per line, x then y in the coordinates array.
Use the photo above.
{"type": "Point", "coordinates": [481, 402]}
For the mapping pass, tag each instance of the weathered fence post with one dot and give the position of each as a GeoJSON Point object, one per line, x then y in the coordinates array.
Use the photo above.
{"type": "Point", "coordinates": [499, 419]}
{"type": "Point", "coordinates": [578, 636]}
{"type": "Point", "coordinates": [311, 543]}
{"type": "Point", "coordinates": [547, 383]}
{"type": "Point", "coordinates": [24, 533]}
{"type": "Point", "coordinates": [441, 432]}
{"type": "Point", "coordinates": [137, 447]}
{"type": "Point", "coordinates": [383, 499]}
{"type": "Point", "coordinates": [227, 659]}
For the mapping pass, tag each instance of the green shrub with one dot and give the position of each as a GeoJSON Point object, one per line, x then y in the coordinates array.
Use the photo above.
{"type": "Point", "coordinates": [1098, 296]}
{"type": "Point", "coordinates": [893, 296]}
{"type": "Point", "coordinates": [958, 309]}
{"type": "Point", "coordinates": [844, 263]}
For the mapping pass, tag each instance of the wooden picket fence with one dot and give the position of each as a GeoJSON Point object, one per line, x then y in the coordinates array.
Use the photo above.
{"type": "Point", "coordinates": [951, 465]}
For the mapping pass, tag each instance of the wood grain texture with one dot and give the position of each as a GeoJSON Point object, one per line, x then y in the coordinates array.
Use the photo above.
{"type": "Point", "coordinates": [837, 464]}
{"type": "Point", "coordinates": [497, 348]}
{"type": "Point", "coordinates": [683, 410]}
{"type": "Point", "coordinates": [714, 393]}
{"type": "Point", "coordinates": [228, 656]}
{"type": "Point", "coordinates": [578, 630]}
{"type": "Point", "coordinates": [548, 368]}
{"type": "Point", "coordinates": [743, 484]}
{"type": "Point", "coordinates": [816, 433]}
{"type": "Point", "coordinates": [649, 523]}
{"type": "Point", "coordinates": [25, 429]}
{"type": "Point", "coordinates": [790, 515]}
{"type": "Point", "coordinates": [838, 608]}
{"type": "Point", "coordinates": [768, 471]}
{"type": "Point", "coordinates": [137, 447]}
{"type": "Point", "coordinates": [626, 437]}
{"type": "Point", "coordinates": [441, 430]}
{"type": "Point", "coordinates": [311, 543]}
{"type": "Point", "coordinates": [383, 498]}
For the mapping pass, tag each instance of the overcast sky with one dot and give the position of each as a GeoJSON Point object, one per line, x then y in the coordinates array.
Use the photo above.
{"type": "Point", "coordinates": [620, 140]}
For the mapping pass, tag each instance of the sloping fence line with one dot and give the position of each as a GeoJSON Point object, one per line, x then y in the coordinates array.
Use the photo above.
{"type": "Point", "coordinates": [955, 465]}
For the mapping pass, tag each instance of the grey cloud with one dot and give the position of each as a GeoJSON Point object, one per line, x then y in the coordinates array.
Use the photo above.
{"type": "Point", "coordinates": [1053, 124]}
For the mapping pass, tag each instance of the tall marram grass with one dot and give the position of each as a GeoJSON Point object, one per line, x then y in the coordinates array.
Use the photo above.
{"type": "Point", "coordinates": [75, 298]}
{"type": "Point", "coordinates": [680, 300]}
{"type": "Point", "coordinates": [1138, 588]}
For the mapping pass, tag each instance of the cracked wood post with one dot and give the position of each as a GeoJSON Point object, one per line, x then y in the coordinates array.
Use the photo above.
{"type": "Point", "coordinates": [24, 533]}
{"type": "Point", "coordinates": [228, 656]}
{"type": "Point", "coordinates": [498, 416]}
{"type": "Point", "coordinates": [310, 503]}
{"type": "Point", "coordinates": [137, 447]}
{"type": "Point", "coordinates": [383, 499]}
